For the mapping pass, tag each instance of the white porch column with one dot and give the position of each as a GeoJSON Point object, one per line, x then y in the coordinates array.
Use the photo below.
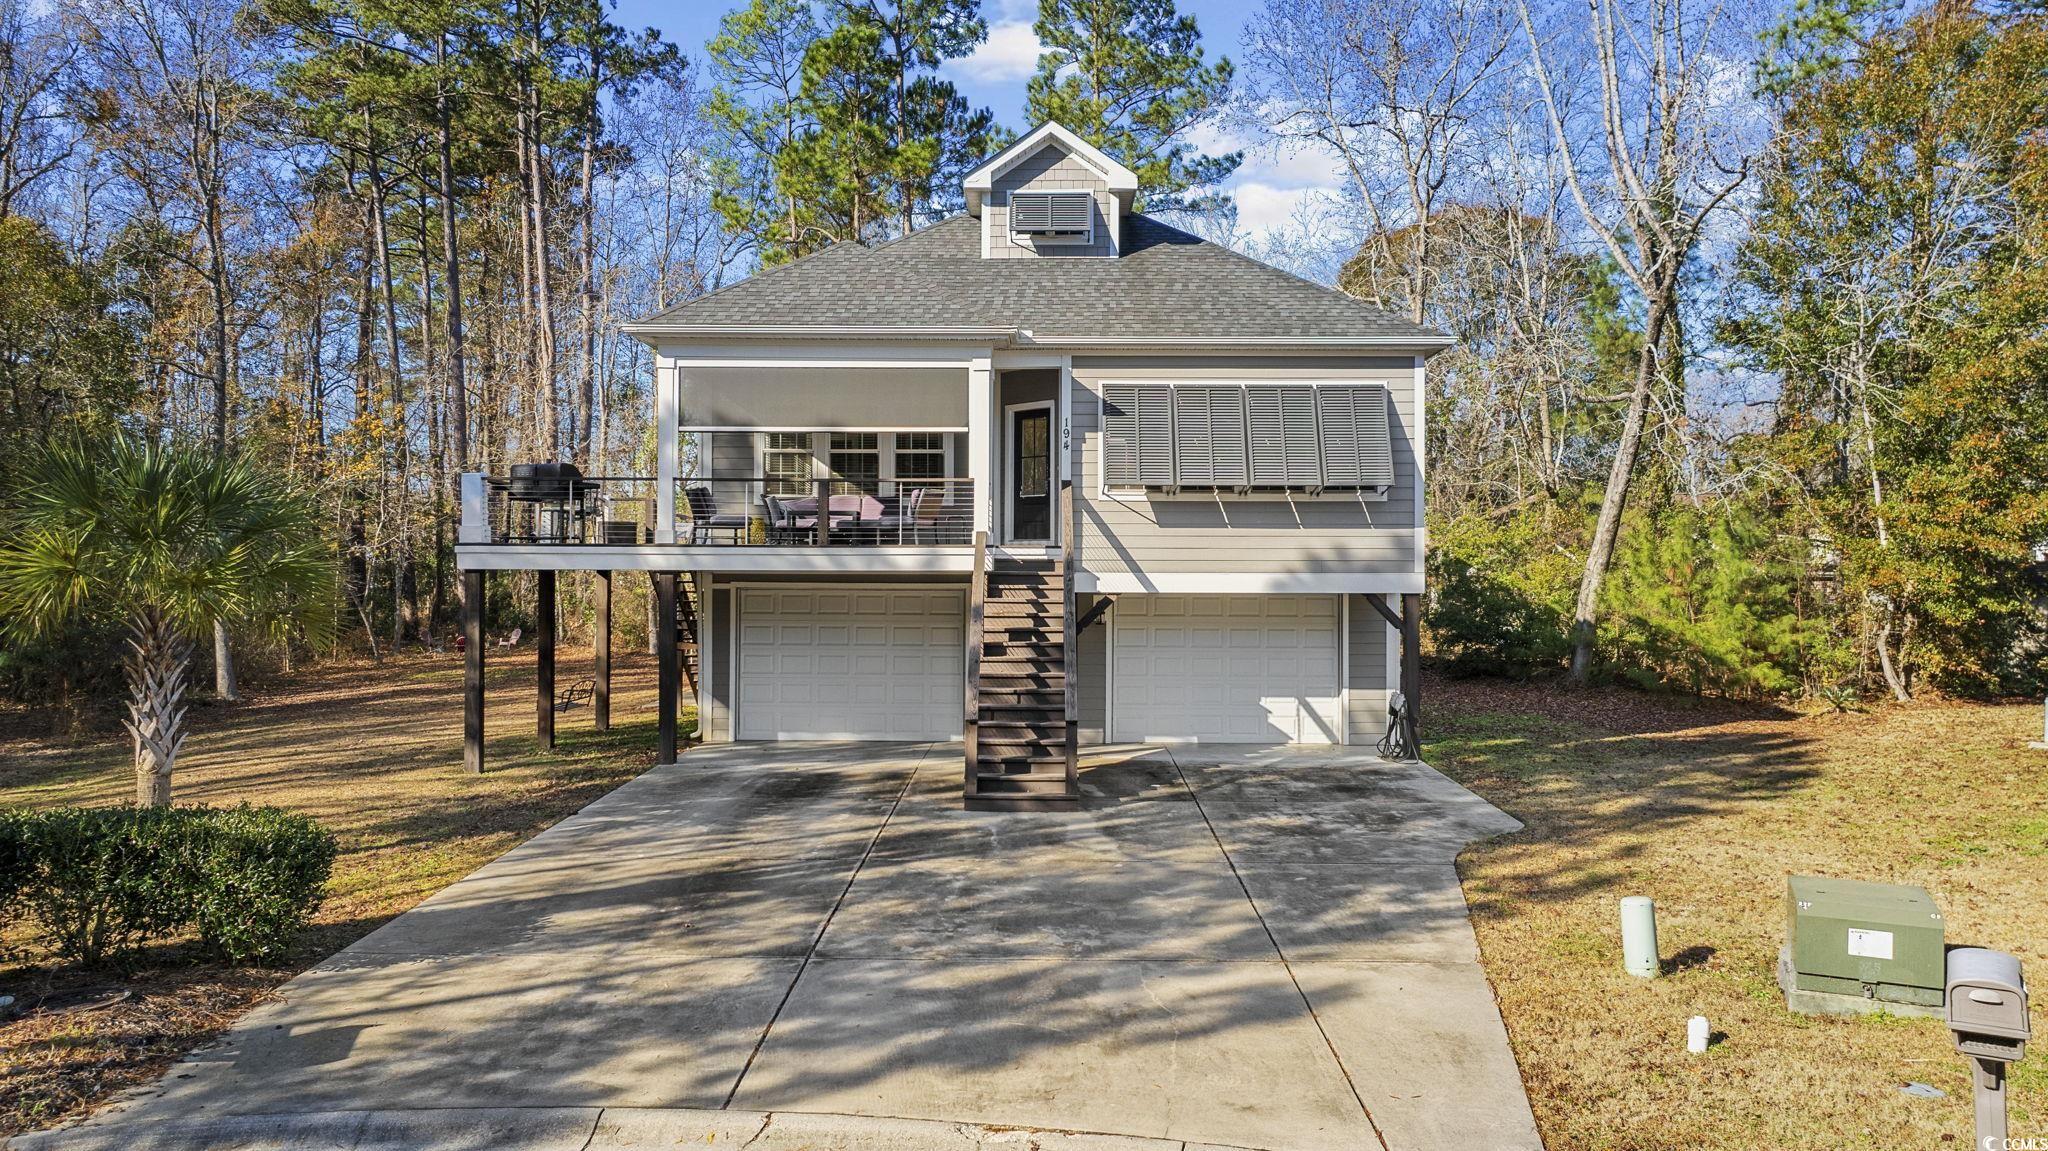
{"type": "Point", "coordinates": [981, 437]}
{"type": "Point", "coordinates": [668, 439]}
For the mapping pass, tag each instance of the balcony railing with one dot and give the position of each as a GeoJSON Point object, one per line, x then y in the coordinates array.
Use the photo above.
{"type": "Point", "coordinates": [582, 510]}
{"type": "Point", "coordinates": [754, 511]}
{"type": "Point", "coordinates": [761, 511]}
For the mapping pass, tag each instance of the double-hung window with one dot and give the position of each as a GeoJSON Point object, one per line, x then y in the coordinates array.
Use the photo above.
{"type": "Point", "coordinates": [1308, 437]}
{"type": "Point", "coordinates": [788, 463]}
{"type": "Point", "coordinates": [920, 455]}
{"type": "Point", "coordinates": [856, 462]}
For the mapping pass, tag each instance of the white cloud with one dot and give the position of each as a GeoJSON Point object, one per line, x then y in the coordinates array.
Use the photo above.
{"type": "Point", "coordinates": [1010, 53]}
{"type": "Point", "coordinates": [1275, 189]}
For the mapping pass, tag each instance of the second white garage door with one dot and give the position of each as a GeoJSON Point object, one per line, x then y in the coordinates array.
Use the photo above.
{"type": "Point", "coordinates": [1226, 669]}
{"type": "Point", "coordinates": [841, 663]}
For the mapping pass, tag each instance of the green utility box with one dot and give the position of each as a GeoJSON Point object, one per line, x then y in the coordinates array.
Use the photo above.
{"type": "Point", "coordinates": [1873, 940]}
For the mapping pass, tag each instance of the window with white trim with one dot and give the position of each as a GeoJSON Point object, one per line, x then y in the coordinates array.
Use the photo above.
{"type": "Point", "coordinates": [787, 462]}
{"type": "Point", "coordinates": [1066, 216]}
{"type": "Point", "coordinates": [920, 455]}
{"type": "Point", "coordinates": [1246, 437]}
{"type": "Point", "coordinates": [856, 462]}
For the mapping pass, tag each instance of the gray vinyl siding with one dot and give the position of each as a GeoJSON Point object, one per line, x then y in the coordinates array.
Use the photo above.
{"type": "Point", "coordinates": [1049, 169]}
{"type": "Point", "coordinates": [1359, 536]}
{"type": "Point", "coordinates": [1091, 660]}
{"type": "Point", "coordinates": [1367, 643]}
{"type": "Point", "coordinates": [729, 455]}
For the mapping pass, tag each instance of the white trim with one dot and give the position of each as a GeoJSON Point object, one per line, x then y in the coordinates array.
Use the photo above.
{"type": "Point", "coordinates": [707, 653]}
{"type": "Point", "coordinates": [668, 448]}
{"type": "Point", "coordinates": [791, 356]}
{"type": "Point", "coordinates": [1246, 583]}
{"type": "Point", "coordinates": [1108, 673]}
{"type": "Point", "coordinates": [1418, 443]}
{"type": "Point", "coordinates": [1010, 412]}
{"type": "Point", "coordinates": [1066, 419]}
{"type": "Point", "coordinates": [1393, 681]}
{"type": "Point", "coordinates": [1002, 337]}
{"type": "Point", "coordinates": [756, 428]}
{"type": "Point", "coordinates": [982, 179]}
{"type": "Point", "coordinates": [732, 667]}
{"type": "Point", "coordinates": [719, 558]}
{"type": "Point", "coordinates": [1344, 670]}
{"type": "Point", "coordinates": [1009, 361]}
{"type": "Point", "coordinates": [981, 416]}
{"type": "Point", "coordinates": [1231, 342]}
{"type": "Point", "coordinates": [650, 331]}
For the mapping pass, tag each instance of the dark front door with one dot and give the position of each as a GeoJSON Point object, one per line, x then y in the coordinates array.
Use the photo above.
{"type": "Point", "coordinates": [1031, 475]}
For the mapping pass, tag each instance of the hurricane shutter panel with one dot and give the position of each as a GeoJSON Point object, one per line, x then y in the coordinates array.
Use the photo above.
{"type": "Point", "coordinates": [1284, 451]}
{"type": "Point", "coordinates": [1357, 451]}
{"type": "Point", "coordinates": [1208, 425]}
{"type": "Point", "coordinates": [1155, 435]}
{"type": "Point", "coordinates": [1030, 211]}
{"type": "Point", "coordinates": [1304, 444]}
{"type": "Point", "coordinates": [1071, 211]}
{"type": "Point", "coordinates": [1120, 435]}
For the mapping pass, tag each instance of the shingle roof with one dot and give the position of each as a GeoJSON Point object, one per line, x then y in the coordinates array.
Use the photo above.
{"type": "Point", "coordinates": [1166, 285]}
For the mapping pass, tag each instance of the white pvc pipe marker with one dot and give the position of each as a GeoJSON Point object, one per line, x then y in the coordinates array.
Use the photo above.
{"type": "Point", "coordinates": [1696, 1035]}
{"type": "Point", "coordinates": [1639, 936]}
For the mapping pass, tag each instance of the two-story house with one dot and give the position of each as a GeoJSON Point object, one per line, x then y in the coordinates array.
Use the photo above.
{"type": "Point", "coordinates": [1046, 473]}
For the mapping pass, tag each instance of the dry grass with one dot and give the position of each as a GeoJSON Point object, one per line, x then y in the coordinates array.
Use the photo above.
{"type": "Point", "coordinates": [1705, 807]}
{"type": "Point", "coordinates": [374, 753]}
{"type": "Point", "coordinates": [1708, 809]}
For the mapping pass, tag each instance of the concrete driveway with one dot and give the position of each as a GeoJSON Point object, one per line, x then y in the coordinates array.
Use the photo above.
{"type": "Point", "coordinates": [1249, 947]}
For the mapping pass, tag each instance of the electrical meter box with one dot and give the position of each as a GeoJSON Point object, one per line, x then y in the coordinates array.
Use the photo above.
{"type": "Point", "coordinates": [1875, 940]}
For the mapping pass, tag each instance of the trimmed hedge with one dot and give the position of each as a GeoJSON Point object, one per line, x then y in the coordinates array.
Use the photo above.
{"type": "Point", "coordinates": [97, 882]}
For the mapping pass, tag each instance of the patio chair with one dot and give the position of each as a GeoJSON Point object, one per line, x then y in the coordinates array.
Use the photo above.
{"type": "Point", "coordinates": [900, 524]}
{"type": "Point", "coordinates": [510, 640]}
{"type": "Point", "coordinates": [705, 517]}
{"type": "Point", "coordinates": [781, 520]}
{"type": "Point", "coordinates": [578, 693]}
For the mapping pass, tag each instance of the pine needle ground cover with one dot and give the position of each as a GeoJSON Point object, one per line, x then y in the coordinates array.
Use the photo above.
{"type": "Point", "coordinates": [374, 752]}
{"type": "Point", "coordinates": [1707, 809]}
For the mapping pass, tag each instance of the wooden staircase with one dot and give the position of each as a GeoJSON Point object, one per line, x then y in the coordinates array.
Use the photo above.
{"type": "Point", "coordinates": [1021, 719]}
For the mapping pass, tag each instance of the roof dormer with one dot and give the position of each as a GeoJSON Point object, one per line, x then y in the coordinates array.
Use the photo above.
{"type": "Point", "coordinates": [1050, 194]}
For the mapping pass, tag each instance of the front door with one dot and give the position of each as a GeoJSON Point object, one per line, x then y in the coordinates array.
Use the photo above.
{"type": "Point", "coordinates": [1031, 474]}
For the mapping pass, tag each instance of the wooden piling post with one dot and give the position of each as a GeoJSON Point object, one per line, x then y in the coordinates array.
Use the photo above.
{"type": "Point", "coordinates": [601, 682]}
{"type": "Point", "coordinates": [544, 628]}
{"type": "Point", "coordinates": [473, 671]}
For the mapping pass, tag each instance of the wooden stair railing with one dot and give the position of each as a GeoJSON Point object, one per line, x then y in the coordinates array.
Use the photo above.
{"type": "Point", "coordinates": [1022, 708]}
{"type": "Point", "coordinates": [977, 596]}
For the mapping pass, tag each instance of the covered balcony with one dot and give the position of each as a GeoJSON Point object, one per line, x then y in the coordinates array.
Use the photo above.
{"type": "Point", "coordinates": [554, 505]}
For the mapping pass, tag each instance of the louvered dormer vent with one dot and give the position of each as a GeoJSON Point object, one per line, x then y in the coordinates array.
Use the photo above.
{"type": "Point", "coordinates": [1042, 214]}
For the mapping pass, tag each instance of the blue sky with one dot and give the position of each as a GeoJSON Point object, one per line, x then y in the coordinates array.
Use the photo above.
{"type": "Point", "coordinates": [1267, 188]}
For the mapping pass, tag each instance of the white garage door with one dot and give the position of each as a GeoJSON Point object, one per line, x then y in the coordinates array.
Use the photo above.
{"type": "Point", "coordinates": [839, 663]}
{"type": "Point", "coordinates": [1226, 669]}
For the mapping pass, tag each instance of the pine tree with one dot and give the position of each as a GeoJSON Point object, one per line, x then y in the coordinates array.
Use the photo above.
{"type": "Point", "coordinates": [1128, 76]}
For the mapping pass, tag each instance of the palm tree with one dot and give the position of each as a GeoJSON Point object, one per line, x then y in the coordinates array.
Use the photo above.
{"type": "Point", "coordinates": [168, 537]}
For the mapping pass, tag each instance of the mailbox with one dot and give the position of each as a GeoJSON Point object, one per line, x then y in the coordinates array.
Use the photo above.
{"type": "Point", "coordinates": [1987, 1004]}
